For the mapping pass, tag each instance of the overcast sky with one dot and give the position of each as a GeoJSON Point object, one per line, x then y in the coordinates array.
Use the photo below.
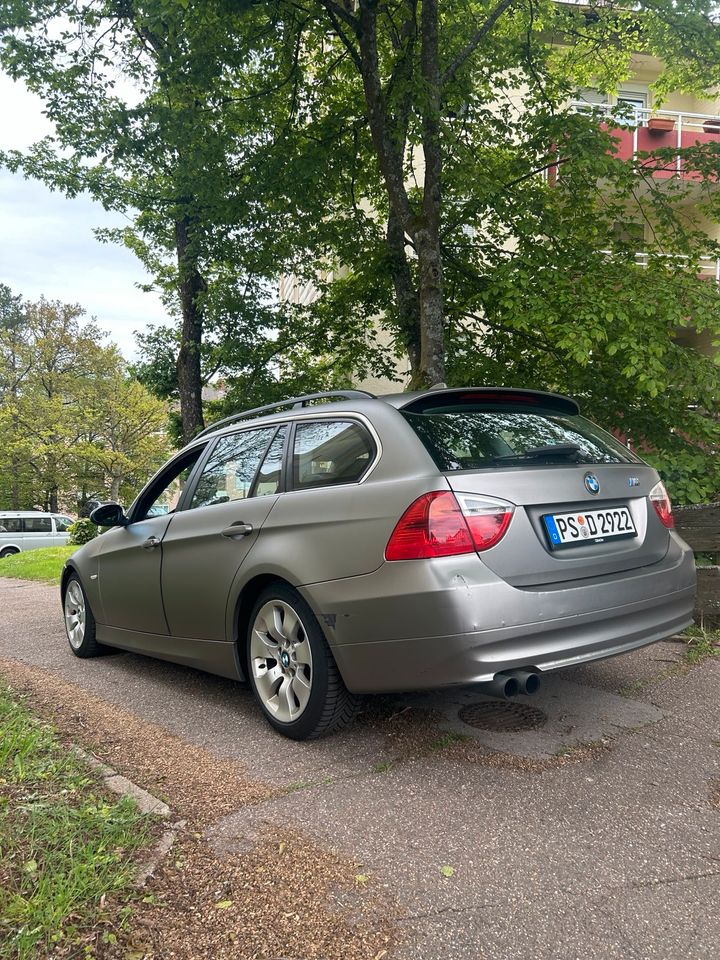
{"type": "Point", "coordinates": [47, 245]}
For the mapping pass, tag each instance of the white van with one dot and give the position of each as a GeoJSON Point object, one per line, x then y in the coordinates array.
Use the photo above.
{"type": "Point", "coordinates": [30, 529]}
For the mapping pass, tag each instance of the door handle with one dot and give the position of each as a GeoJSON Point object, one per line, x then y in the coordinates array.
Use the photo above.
{"type": "Point", "coordinates": [237, 530]}
{"type": "Point", "coordinates": [151, 543]}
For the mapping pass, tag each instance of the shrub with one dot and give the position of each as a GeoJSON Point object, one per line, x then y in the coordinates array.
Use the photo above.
{"type": "Point", "coordinates": [82, 531]}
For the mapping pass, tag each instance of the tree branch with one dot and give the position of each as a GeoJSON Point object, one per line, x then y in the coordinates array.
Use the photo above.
{"type": "Point", "coordinates": [332, 11]}
{"type": "Point", "coordinates": [473, 44]}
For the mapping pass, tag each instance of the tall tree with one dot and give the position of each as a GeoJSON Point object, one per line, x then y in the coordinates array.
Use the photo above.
{"type": "Point", "coordinates": [156, 114]}
{"type": "Point", "coordinates": [460, 121]}
{"type": "Point", "coordinates": [73, 424]}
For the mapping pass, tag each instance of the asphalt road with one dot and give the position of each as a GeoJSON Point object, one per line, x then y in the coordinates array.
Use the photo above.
{"type": "Point", "coordinates": [559, 850]}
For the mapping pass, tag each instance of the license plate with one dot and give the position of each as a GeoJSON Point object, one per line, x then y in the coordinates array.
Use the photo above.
{"type": "Point", "coordinates": [588, 526]}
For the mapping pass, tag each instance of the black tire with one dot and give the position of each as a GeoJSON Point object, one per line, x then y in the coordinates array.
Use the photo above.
{"type": "Point", "coordinates": [86, 646]}
{"type": "Point", "coordinates": [8, 552]}
{"type": "Point", "coordinates": [330, 706]}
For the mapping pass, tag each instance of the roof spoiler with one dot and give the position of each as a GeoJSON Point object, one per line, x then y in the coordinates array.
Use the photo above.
{"type": "Point", "coordinates": [458, 397]}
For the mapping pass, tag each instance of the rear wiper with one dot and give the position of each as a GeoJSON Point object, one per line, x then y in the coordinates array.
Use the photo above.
{"type": "Point", "coordinates": [550, 452]}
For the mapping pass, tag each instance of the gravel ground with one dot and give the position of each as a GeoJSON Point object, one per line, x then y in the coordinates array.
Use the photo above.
{"type": "Point", "coordinates": [396, 839]}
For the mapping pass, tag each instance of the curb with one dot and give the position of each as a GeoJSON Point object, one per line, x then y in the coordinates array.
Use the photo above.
{"type": "Point", "coordinates": [147, 804]}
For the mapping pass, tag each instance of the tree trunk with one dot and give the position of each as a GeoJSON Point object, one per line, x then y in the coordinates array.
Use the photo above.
{"type": "Point", "coordinates": [406, 296]}
{"type": "Point", "coordinates": [115, 488]}
{"type": "Point", "coordinates": [427, 237]}
{"type": "Point", "coordinates": [432, 349]}
{"type": "Point", "coordinates": [191, 286]}
{"type": "Point", "coordinates": [423, 227]}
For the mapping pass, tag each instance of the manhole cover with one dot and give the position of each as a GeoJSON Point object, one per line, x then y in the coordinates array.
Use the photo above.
{"type": "Point", "coordinates": [502, 716]}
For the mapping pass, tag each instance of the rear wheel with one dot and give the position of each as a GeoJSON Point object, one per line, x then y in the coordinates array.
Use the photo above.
{"type": "Point", "coordinates": [292, 671]}
{"type": "Point", "coordinates": [79, 621]}
{"type": "Point", "coordinates": [8, 552]}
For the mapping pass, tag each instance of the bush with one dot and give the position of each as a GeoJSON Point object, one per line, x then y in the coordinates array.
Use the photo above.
{"type": "Point", "coordinates": [82, 531]}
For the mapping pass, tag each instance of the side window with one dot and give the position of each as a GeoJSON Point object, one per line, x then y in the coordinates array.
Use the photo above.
{"type": "Point", "coordinates": [231, 469]}
{"type": "Point", "coordinates": [38, 525]}
{"type": "Point", "coordinates": [328, 452]}
{"type": "Point", "coordinates": [270, 474]}
{"type": "Point", "coordinates": [10, 524]}
{"type": "Point", "coordinates": [163, 495]}
{"type": "Point", "coordinates": [62, 524]}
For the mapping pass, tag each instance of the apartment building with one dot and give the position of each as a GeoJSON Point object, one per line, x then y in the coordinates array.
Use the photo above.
{"type": "Point", "coordinates": [639, 123]}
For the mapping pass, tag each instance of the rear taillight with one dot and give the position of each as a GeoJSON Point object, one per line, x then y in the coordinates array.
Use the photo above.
{"type": "Point", "coordinates": [443, 524]}
{"type": "Point", "coordinates": [663, 507]}
{"type": "Point", "coordinates": [487, 518]}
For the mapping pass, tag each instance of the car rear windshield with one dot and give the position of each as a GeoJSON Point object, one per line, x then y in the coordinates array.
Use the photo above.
{"type": "Point", "coordinates": [473, 439]}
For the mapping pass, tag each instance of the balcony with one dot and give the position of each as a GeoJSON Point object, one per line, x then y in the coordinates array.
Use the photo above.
{"type": "Point", "coordinates": [640, 130]}
{"type": "Point", "coordinates": [708, 267]}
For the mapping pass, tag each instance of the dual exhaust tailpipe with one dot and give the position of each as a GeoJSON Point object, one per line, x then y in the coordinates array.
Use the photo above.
{"type": "Point", "coordinates": [511, 683]}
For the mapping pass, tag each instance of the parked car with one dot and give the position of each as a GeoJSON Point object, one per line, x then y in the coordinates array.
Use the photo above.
{"type": "Point", "coordinates": [369, 544]}
{"type": "Point", "coordinates": [29, 529]}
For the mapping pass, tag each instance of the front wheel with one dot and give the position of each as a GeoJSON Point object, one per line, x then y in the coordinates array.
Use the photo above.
{"type": "Point", "coordinates": [291, 669]}
{"type": "Point", "coordinates": [79, 621]}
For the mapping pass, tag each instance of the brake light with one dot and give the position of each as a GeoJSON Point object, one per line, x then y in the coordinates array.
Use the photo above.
{"type": "Point", "coordinates": [663, 506]}
{"type": "Point", "coordinates": [441, 524]}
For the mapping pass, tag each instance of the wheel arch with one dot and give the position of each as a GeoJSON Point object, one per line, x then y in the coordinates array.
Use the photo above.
{"type": "Point", "coordinates": [67, 572]}
{"type": "Point", "coordinates": [243, 608]}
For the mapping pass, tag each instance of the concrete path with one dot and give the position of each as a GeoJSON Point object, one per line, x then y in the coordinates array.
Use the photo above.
{"type": "Point", "coordinates": [593, 836]}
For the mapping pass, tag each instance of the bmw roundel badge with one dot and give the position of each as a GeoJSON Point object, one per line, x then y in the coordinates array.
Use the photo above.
{"type": "Point", "coordinates": [592, 484]}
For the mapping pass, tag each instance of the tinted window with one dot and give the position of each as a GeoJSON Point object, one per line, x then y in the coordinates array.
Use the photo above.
{"type": "Point", "coordinates": [37, 525]}
{"type": "Point", "coordinates": [62, 523]}
{"type": "Point", "coordinates": [327, 452]}
{"type": "Point", "coordinates": [473, 439]}
{"type": "Point", "coordinates": [231, 469]}
{"type": "Point", "coordinates": [269, 477]}
{"type": "Point", "coordinates": [10, 524]}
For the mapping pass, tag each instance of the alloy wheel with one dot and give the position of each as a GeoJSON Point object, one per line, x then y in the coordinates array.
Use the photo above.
{"type": "Point", "coordinates": [75, 614]}
{"type": "Point", "coordinates": [281, 660]}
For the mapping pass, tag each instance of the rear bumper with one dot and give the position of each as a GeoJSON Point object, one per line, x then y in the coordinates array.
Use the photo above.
{"type": "Point", "coordinates": [428, 624]}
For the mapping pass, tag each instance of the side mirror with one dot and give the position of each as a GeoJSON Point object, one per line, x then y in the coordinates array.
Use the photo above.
{"type": "Point", "coordinates": [109, 515]}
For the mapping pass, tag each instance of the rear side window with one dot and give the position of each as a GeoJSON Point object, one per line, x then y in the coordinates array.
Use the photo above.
{"type": "Point", "coordinates": [38, 525]}
{"type": "Point", "coordinates": [10, 524]}
{"type": "Point", "coordinates": [505, 436]}
{"type": "Point", "coordinates": [62, 524]}
{"type": "Point", "coordinates": [330, 451]}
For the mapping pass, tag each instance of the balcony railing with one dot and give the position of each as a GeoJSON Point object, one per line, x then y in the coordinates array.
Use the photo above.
{"type": "Point", "coordinates": [640, 130]}
{"type": "Point", "coordinates": [708, 267]}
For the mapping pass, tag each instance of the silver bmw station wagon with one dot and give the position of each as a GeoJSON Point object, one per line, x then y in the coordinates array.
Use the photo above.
{"type": "Point", "coordinates": [342, 544]}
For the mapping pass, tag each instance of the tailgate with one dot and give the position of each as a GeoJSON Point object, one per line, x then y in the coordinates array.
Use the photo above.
{"type": "Point", "coordinates": [526, 556]}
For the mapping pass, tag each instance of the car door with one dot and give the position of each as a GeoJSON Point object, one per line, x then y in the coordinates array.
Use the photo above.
{"type": "Point", "coordinates": [220, 522]}
{"type": "Point", "coordinates": [62, 524]}
{"type": "Point", "coordinates": [38, 532]}
{"type": "Point", "coordinates": [328, 525]}
{"type": "Point", "coordinates": [131, 557]}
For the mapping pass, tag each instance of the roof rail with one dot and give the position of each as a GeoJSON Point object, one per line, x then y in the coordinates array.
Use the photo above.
{"type": "Point", "coordinates": [292, 402]}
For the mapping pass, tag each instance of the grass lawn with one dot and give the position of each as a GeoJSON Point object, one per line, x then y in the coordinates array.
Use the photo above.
{"type": "Point", "coordinates": [66, 846]}
{"type": "Point", "coordinates": [45, 564]}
